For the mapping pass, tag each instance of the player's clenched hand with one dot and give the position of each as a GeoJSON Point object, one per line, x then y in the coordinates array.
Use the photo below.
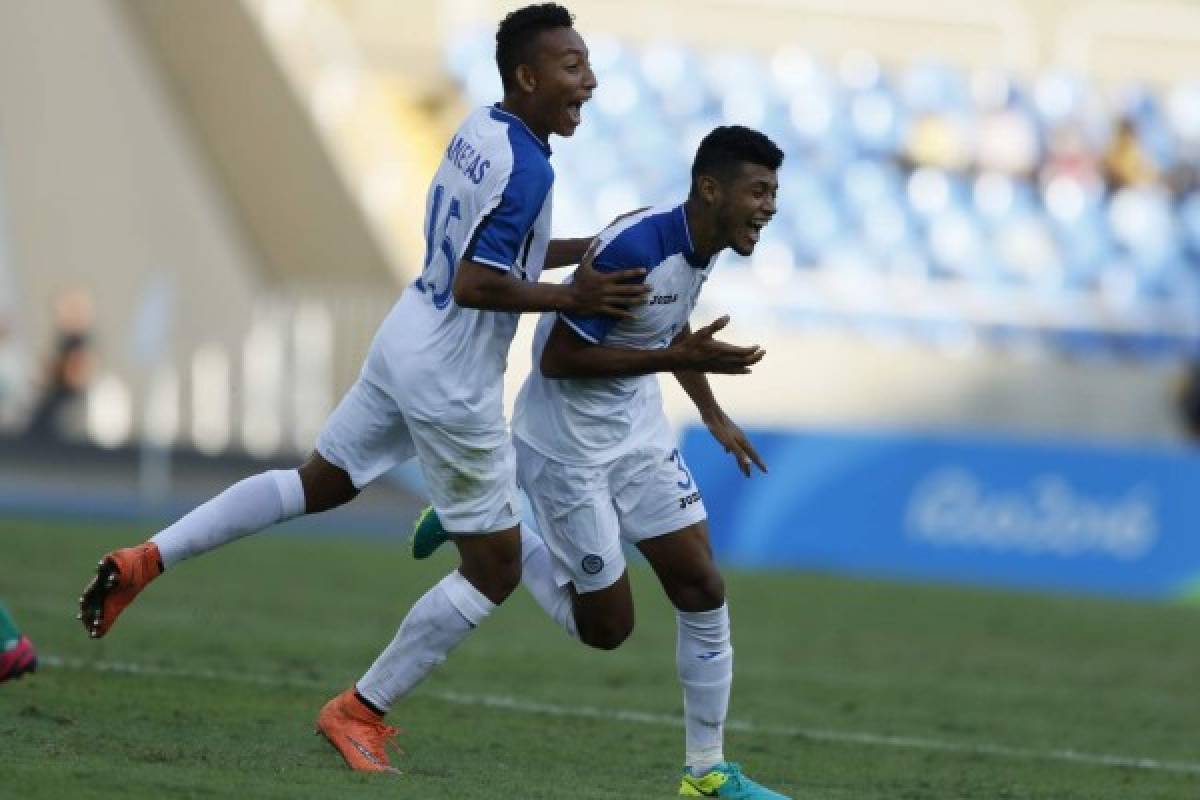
{"type": "Point", "coordinates": [730, 436]}
{"type": "Point", "coordinates": [610, 293]}
{"type": "Point", "coordinates": [701, 352]}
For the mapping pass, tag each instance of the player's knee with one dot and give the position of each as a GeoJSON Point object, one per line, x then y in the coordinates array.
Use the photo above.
{"type": "Point", "coordinates": [495, 578]}
{"type": "Point", "coordinates": [606, 634]}
{"type": "Point", "coordinates": [703, 591]}
{"type": "Point", "coordinates": [605, 637]}
{"type": "Point", "coordinates": [326, 486]}
{"type": "Point", "coordinates": [495, 588]}
{"type": "Point", "coordinates": [508, 576]}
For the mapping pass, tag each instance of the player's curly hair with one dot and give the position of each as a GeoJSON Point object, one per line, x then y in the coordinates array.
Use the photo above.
{"type": "Point", "coordinates": [519, 30]}
{"type": "Point", "coordinates": [728, 146]}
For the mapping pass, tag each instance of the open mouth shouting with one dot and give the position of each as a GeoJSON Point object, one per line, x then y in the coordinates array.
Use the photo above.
{"type": "Point", "coordinates": [754, 229]}
{"type": "Point", "coordinates": [752, 232]}
{"type": "Point", "coordinates": [574, 112]}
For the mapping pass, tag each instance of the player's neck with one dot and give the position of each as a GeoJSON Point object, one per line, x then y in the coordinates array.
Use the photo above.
{"type": "Point", "coordinates": [524, 114]}
{"type": "Point", "coordinates": [703, 230]}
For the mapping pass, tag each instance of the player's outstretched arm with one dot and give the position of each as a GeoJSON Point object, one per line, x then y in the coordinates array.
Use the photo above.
{"type": "Point", "coordinates": [568, 355]}
{"type": "Point", "coordinates": [722, 428]}
{"type": "Point", "coordinates": [592, 292]}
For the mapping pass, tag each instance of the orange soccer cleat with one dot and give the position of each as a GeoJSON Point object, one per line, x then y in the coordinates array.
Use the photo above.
{"type": "Point", "coordinates": [358, 733]}
{"type": "Point", "coordinates": [120, 575]}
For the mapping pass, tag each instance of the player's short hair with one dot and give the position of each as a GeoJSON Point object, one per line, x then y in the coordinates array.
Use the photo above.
{"type": "Point", "coordinates": [519, 30]}
{"type": "Point", "coordinates": [726, 148]}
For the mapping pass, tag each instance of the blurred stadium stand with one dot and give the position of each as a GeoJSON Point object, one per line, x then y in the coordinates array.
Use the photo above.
{"type": "Point", "coordinates": [989, 214]}
{"type": "Point", "coordinates": [950, 203]}
{"type": "Point", "coordinates": [926, 201]}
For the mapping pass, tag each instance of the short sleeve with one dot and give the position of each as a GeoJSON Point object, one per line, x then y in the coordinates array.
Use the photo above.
{"type": "Point", "coordinates": [498, 237]}
{"type": "Point", "coordinates": [632, 248]}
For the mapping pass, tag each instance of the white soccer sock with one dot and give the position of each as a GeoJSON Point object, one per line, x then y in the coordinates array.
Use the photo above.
{"type": "Point", "coordinates": [436, 624]}
{"type": "Point", "coordinates": [704, 657]}
{"type": "Point", "coordinates": [537, 575]}
{"type": "Point", "coordinates": [244, 508]}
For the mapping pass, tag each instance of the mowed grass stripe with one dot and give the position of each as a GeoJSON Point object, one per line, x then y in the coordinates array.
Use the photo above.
{"type": "Point", "coordinates": [643, 718]}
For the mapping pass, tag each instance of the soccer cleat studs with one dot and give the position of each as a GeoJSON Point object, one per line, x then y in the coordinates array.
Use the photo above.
{"type": "Point", "coordinates": [119, 577]}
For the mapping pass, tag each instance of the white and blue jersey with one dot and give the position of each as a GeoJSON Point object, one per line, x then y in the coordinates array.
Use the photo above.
{"type": "Point", "coordinates": [489, 202]}
{"type": "Point", "coordinates": [595, 420]}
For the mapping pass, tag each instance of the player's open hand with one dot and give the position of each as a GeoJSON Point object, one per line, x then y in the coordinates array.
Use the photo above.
{"type": "Point", "coordinates": [700, 351]}
{"type": "Point", "coordinates": [614, 294]}
{"type": "Point", "coordinates": [730, 436]}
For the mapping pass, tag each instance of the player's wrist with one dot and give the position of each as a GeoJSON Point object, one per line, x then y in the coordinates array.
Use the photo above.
{"type": "Point", "coordinates": [677, 358]}
{"type": "Point", "coordinates": [568, 298]}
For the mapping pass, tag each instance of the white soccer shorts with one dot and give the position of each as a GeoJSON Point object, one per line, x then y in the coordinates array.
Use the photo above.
{"type": "Point", "coordinates": [470, 471]}
{"type": "Point", "coordinates": [583, 512]}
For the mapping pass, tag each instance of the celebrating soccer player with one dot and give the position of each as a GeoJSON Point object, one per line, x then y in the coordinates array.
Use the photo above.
{"type": "Point", "coordinates": [432, 382]}
{"type": "Point", "coordinates": [598, 459]}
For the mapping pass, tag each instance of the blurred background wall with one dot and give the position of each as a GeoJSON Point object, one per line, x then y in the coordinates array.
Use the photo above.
{"type": "Point", "coordinates": [989, 229]}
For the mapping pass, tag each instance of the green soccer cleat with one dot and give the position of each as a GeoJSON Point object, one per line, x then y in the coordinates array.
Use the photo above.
{"type": "Point", "coordinates": [725, 780]}
{"type": "Point", "coordinates": [428, 534]}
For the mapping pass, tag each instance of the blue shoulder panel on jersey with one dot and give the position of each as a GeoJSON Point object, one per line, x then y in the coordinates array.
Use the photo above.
{"type": "Point", "coordinates": [499, 236]}
{"type": "Point", "coordinates": [646, 243]}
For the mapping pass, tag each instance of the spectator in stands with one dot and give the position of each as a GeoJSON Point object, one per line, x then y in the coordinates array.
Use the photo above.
{"type": "Point", "coordinates": [1189, 401]}
{"type": "Point", "coordinates": [938, 139]}
{"type": "Point", "coordinates": [1070, 156]}
{"type": "Point", "coordinates": [1126, 162]}
{"type": "Point", "coordinates": [70, 367]}
{"type": "Point", "coordinates": [8, 369]}
{"type": "Point", "coordinates": [1007, 140]}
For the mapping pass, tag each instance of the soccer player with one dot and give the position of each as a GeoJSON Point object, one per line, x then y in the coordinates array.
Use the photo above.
{"type": "Point", "coordinates": [598, 459]}
{"type": "Point", "coordinates": [17, 655]}
{"type": "Point", "coordinates": [431, 384]}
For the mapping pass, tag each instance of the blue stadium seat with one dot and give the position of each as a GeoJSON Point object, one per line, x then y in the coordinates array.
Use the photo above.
{"type": "Point", "coordinates": [886, 227]}
{"type": "Point", "coordinates": [933, 86]}
{"type": "Point", "coordinates": [877, 122]}
{"type": "Point", "coordinates": [1142, 222]}
{"type": "Point", "coordinates": [867, 183]}
{"type": "Point", "coordinates": [956, 244]}
{"type": "Point", "coordinates": [1189, 223]}
{"type": "Point", "coordinates": [1183, 115]}
{"type": "Point", "coordinates": [1027, 252]}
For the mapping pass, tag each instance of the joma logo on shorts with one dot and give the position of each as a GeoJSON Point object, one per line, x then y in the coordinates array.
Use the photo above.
{"type": "Point", "coordinates": [688, 500]}
{"type": "Point", "coordinates": [663, 299]}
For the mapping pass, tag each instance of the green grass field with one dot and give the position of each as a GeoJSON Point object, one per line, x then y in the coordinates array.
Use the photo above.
{"type": "Point", "coordinates": [843, 689]}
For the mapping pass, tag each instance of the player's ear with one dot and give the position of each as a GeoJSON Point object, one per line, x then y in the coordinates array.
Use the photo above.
{"type": "Point", "coordinates": [709, 189]}
{"type": "Point", "coordinates": [526, 78]}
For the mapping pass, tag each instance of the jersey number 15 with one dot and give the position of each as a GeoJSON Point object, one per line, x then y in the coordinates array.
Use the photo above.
{"type": "Point", "coordinates": [435, 279]}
